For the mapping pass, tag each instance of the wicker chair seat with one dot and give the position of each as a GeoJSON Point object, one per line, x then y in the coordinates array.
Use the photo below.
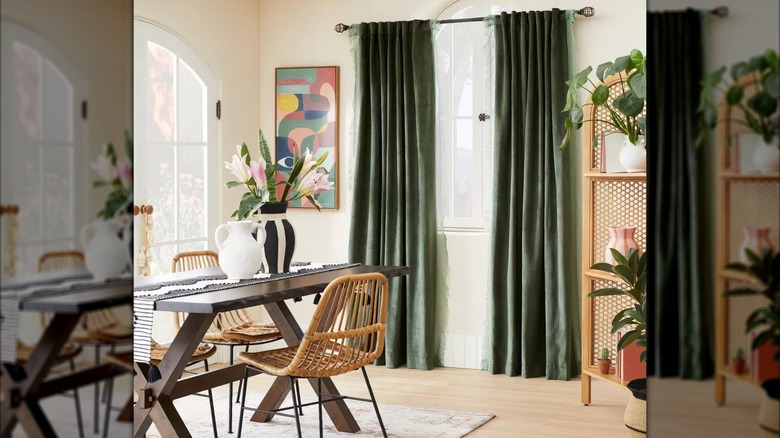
{"type": "Point", "coordinates": [251, 331]}
{"type": "Point", "coordinates": [122, 359]}
{"type": "Point", "coordinates": [68, 352]}
{"type": "Point", "coordinates": [204, 351]}
{"type": "Point", "coordinates": [332, 359]}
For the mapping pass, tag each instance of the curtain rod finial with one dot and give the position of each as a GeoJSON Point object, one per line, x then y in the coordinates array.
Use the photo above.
{"type": "Point", "coordinates": [721, 11]}
{"type": "Point", "coordinates": [341, 28]}
{"type": "Point", "coordinates": [587, 11]}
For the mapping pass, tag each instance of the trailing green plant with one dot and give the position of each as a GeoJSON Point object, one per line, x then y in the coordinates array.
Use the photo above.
{"type": "Point", "coordinates": [765, 269]}
{"type": "Point", "coordinates": [632, 270]}
{"type": "Point", "coordinates": [758, 108]}
{"type": "Point", "coordinates": [604, 354]}
{"type": "Point", "coordinates": [624, 110]}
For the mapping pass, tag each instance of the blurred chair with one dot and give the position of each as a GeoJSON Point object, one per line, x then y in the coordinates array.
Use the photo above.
{"type": "Point", "coordinates": [232, 329]}
{"type": "Point", "coordinates": [100, 328]}
{"type": "Point", "coordinates": [346, 333]}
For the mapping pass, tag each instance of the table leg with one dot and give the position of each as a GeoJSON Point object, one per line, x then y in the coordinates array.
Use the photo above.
{"type": "Point", "coordinates": [155, 404]}
{"type": "Point", "coordinates": [27, 412]}
{"type": "Point", "coordinates": [338, 411]}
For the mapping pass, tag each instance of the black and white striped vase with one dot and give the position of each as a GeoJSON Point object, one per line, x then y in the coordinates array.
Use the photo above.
{"type": "Point", "coordinates": [280, 237]}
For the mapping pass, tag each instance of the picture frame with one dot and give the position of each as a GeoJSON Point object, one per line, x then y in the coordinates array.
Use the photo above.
{"type": "Point", "coordinates": [306, 116]}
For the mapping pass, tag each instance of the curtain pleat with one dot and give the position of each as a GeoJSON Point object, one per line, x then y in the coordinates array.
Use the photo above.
{"type": "Point", "coordinates": [533, 313]}
{"type": "Point", "coordinates": [394, 204]}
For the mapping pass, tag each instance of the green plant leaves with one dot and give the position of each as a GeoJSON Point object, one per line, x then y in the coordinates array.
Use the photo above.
{"type": "Point", "coordinates": [637, 61]}
{"type": "Point", "coordinates": [771, 82]}
{"type": "Point", "coordinates": [600, 95]}
{"type": "Point", "coordinates": [602, 69]}
{"type": "Point", "coordinates": [629, 104]}
{"type": "Point", "coordinates": [763, 103]}
{"type": "Point", "coordinates": [231, 184]}
{"type": "Point", "coordinates": [637, 82]}
{"type": "Point", "coordinates": [620, 64]}
{"type": "Point", "coordinates": [734, 94]}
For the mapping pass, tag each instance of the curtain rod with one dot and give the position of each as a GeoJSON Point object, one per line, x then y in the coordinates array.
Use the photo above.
{"type": "Point", "coordinates": [587, 11]}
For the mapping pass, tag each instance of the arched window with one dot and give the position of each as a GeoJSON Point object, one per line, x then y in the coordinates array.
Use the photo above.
{"type": "Point", "coordinates": [43, 144]}
{"type": "Point", "coordinates": [176, 144]}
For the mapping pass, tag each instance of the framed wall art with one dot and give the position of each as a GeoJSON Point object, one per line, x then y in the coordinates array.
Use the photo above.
{"type": "Point", "coordinates": [307, 118]}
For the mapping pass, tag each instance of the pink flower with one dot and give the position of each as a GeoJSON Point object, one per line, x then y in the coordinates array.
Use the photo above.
{"type": "Point", "coordinates": [314, 183]}
{"type": "Point", "coordinates": [239, 169]}
{"type": "Point", "coordinates": [257, 170]}
{"type": "Point", "coordinates": [124, 171]}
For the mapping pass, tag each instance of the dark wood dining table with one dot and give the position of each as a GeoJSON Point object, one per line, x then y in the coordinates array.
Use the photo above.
{"type": "Point", "coordinates": [25, 385]}
{"type": "Point", "coordinates": [155, 399]}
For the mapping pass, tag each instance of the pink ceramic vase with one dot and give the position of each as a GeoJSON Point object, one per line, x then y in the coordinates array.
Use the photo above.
{"type": "Point", "coordinates": [756, 239]}
{"type": "Point", "coordinates": [622, 239]}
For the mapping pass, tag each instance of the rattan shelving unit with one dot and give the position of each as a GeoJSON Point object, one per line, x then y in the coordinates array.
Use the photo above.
{"type": "Point", "coordinates": [742, 199]}
{"type": "Point", "coordinates": [609, 199]}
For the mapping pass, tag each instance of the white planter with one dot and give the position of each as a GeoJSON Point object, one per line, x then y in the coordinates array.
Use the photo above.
{"type": "Point", "coordinates": [633, 157]}
{"type": "Point", "coordinates": [240, 255]}
{"type": "Point", "coordinates": [105, 254]}
{"type": "Point", "coordinates": [766, 157]}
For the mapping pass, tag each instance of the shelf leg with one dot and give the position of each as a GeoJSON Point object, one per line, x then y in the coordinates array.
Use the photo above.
{"type": "Point", "coordinates": [585, 389]}
{"type": "Point", "coordinates": [720, 389]}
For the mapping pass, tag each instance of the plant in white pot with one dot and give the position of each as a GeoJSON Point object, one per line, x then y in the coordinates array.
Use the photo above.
{"type": "Point", "coordinates": [765, 269]}
{"type": "Point", "coordinates": [624, 110]}
{"type": "Point", "coordinates": [631, 269]}
{"type": "Point", "coordinates": [751, 91]}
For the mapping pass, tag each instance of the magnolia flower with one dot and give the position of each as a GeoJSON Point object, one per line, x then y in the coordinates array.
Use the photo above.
{"type": "Point", "coordinates": [257, 170]}
{"type": "Point", "coordinates": [239, 168]}
{"type": "Point", "coordinates": [124, 171]}
{"type": "Point", "coordinates": [314, 183]}
{"type": "Point", "coordinates": [104, 168]}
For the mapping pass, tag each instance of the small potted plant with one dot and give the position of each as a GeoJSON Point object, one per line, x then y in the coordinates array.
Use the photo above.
{"type": "Point", "coordinates": [751, 91]}
{"type": "Point", "coordinates": [765, 270]}
{"type": "Point", "coordinates": [604, 361]}
{"type": "Point", "coordinates": [738, 362]}
{"type": "Point", "coordinates": [624, 111]}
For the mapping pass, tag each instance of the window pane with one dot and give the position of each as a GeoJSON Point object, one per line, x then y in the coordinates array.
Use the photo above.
{"type": "Point", "coordinates": [464, 36]}
{"type": "Point", "coordinates": [162, 256]}
{"type": "Point", "coordinates": [58, 106]}
{"type": "Point", "coordinates": [58, 188]}
{"type": "Point", "coordinates": [192, 246]}
{"type": "Point", "coordinates": [160, 183]}
{"type": "Point", "coordinates": [463, 169]}
{"type": "Point", "coordinates": [192, 191]}
{"type": "Point", "coordinates": [26, 167]}
{"type": "Point", "coordinates": [160, 104]}
{"type": "Point", "coordinates": [191, 101]}
{"type": "Point", "coordinates": [27, 75]}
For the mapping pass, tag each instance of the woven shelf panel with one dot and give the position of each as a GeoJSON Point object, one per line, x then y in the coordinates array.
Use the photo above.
{"type": "Point", "coordinates": [617, 204]}
{"type": "Point", "coordinates": [739, 309]}
{"type": "Point", "coordinates": [752, 203]}
{"type": "Point", "coordinates": [598, 127]}
{"type": "Point", "coordinates": [604, 310]}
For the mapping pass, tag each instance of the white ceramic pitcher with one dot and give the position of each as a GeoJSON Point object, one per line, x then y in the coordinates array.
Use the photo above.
{"type": "Point", "coordinates": [240, 255]}
{"type": "Point", "coordinates": [105, 254]}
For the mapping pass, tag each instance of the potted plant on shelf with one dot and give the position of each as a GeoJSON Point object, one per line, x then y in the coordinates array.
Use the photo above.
{"type": "Point", "coordinates": [631, 269]}
{"type": "Point", "coordinates": [604, 361]}
{"type": "Point", "coordinates": [765, 270]}
{"type": "Point", "coordinates": [738, 362]}
{"type": "Point", "coordinates": [624, 110]}
{"type": "Point", "coordinates": [751, 90]}
{"type": "Point", "coordinates": [269, 195]}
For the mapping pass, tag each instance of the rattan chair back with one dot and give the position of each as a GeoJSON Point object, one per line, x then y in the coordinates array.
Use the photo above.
{"type": "Point", "coordinates": [56, 260]}
{"type": "Point", "coordinates": [347, 330]}
{"type": "Point", "coordinates": [189, 261]}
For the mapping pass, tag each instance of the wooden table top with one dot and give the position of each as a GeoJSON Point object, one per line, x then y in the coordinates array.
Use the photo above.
{"type": "Point", "coordinates": [242, 297]}
{"type": "Point", "coordinates": [100, 297]}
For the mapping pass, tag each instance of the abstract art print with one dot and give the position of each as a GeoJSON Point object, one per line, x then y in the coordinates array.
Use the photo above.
{"type": "Point", "coordinates": [307, 109]}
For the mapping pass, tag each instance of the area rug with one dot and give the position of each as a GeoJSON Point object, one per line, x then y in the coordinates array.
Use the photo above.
{"type": "Point", "coordinates": [400, 421]}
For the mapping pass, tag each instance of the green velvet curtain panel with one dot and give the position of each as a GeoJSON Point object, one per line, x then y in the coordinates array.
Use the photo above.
{"type": "Point", "coordinates": [394, 204]}
{"type": "Point", "coordinates": [533, 315]}
{"type": "Point", "coordinates": [680, 287]}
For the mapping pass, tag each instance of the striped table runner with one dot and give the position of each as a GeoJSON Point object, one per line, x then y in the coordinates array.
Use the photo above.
{"type": "Point", "coordinates": [144, 297]}
{"type": "Point", "coordinates": [15, 291]}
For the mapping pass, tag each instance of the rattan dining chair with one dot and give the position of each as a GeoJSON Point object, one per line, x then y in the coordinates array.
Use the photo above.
{"type": "Point", "coordinates": [99, 329]}
{"type": "Point", "coordinates": [347, 332]}
{"type": "Point", "coordinates": [231, 329]}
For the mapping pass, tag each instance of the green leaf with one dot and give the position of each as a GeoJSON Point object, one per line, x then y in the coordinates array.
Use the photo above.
{"type": "Point", "coordinates": [128, 146]}
{"type": "Point", "coordinates": [620, 324]}
{"type": "Point", "coordinates": [638, 84]}
{"type": "Point", "coordinates": [606, 292]}
{"type": "Point", "coordinates": [627, 339]}
{"type": "Point", "coordinates": [245, 153]}
{"type": "Point", "coordinates": [640, 121]}
{"type": "Point", "coordinates": [576, 117]}
{"type": "Point", "coordinates": [761, 339]}
{"type": "Point", "coordinates": [567, 136]}
{"type": "Point", "coordinates": [621, 64]}
{"type": "Point", "coordinates": [618, 256]}
{"type": "Point", "coordinates": [710, 116]}
{"type": "Point", "coordinates": [643, 356]}
{"type": "Point", "coordinates": [111, 153]}
{"type": "Point", "coordinates": [633, 313]}
{"type": "Point", "coordinates": [629, 104]}
{"type": "Point", "coordinates": [734, 94]}
{"type": "Point", "coordinates": [619, 316]}
{"type": "Point", "coordinates": [757, 64]}
{"type": "Point", "coordinates": [741, 291]}
{"type": "Point", "coordinates": [737, 71]}
{"type": "Point", "coordinates": [99, 183]}
{"type": "Point", "coordinates": [291, 179]}
{"type": "Point", "coordinates": [231, 184]}
{"type": "Point", "coordinates": [763, 104]}
{"type": "Point", "coordinates": [602, 70]}
{"type": "Point", "coordinates": [270, 166]}
{"type": "Point", "coordinates": [637, 61]}
{"type": "Point", "coordinates": [600, 95]}
{"type": "Point", "coordinates": [314, 202]}
{"type": "Point", "coordinates": [771, 82]}
{"type": "Point", "coordinates": [606, 267]}
{"type": "Point", "coordinates": [625, 273]}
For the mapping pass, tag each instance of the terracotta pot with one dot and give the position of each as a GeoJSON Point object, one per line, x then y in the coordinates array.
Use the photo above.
{"type": "Point", "coordinates": [769, 413]}
{"type": "Point", "coordinates": [635, 417]}
{"type": "Point", "coordinates": [621, 239]}
{"type": "Point", "coordinates": [604, 365]}
{"type": "Point", "coordinates": [756, 239]}
{"type": "Point", "coordinates": [738, 366]}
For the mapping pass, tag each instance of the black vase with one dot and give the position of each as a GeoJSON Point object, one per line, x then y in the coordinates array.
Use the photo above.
{"type": "Point", "coordinates": [279, 237]}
